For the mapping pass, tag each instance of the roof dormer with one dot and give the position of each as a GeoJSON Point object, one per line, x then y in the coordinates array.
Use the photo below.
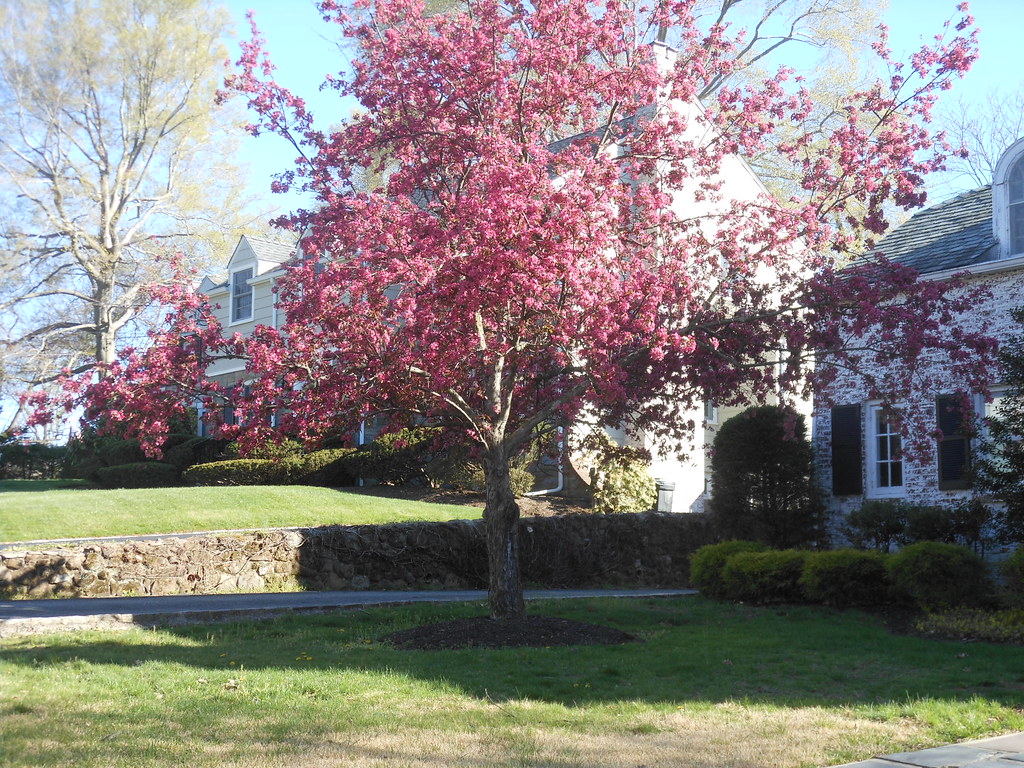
{"type": "Point", "coordinates": [1008, 201]}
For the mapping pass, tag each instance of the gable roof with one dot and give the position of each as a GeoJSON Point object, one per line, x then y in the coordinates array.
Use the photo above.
{"type": "Point", "coordinates": [953, 234]}
{"type": "Point", "coordinates": [270, 250]}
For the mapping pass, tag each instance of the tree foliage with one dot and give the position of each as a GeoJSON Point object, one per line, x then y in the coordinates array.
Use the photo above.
{"type": "Point", "coordinates": [1000, 464]}
{"type": "Point", "coordinates": [111, 156]}
{"type": "Point", "coordinates": [563, 227]}
{"type": "Point", "coordinates": [762, 480]}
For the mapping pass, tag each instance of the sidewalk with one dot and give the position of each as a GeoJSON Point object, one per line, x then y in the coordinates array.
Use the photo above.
{"type": "Point", "coordinates": [26, 617]}
{"type": "Point", "coordinates": [997, 752]}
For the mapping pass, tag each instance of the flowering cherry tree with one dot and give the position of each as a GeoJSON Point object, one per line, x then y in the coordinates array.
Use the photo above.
{"type": "Point", "coordinates": [556, 233]}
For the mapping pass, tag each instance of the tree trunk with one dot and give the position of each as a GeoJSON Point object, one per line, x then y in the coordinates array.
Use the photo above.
{"type": "Point", "coordinates": [501, 516]}
{"type": "Point", "coordinates": [103, 309]}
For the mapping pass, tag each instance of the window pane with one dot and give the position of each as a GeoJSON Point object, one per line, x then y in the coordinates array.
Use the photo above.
{"type": "Point", "coordinates": [1016, 182]}
{"type": "Point", "coordinates": [1017, 228]}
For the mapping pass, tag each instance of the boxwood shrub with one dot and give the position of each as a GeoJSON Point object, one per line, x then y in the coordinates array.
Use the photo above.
{"type": "Point", "coordinates": [706, 565]}
{"type": "Point", "coordinates": [1012, 571]}
{"type": "Point", "coordinates": [765, 577]}
{"type": "Point", "coordinates": [333, 468]}
{"type": "Point", "coordinates": [846, 577]}
{"type": "Point", "coordinates": [237, 472]}
{"type": "Point", "coordinates": [935, 575]}
{"type": "Point", "coordinates": [141, 474]}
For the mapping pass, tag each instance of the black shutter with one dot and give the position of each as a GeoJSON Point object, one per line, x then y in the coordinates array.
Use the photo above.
{"type": "Point", "coordinates": [847, 475]}
{"type": "Point", "coordinates": [954, 448]}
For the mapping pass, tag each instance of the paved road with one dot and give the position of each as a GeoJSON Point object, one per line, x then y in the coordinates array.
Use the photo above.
{"type": "Point", "coordinates": [18, 617]}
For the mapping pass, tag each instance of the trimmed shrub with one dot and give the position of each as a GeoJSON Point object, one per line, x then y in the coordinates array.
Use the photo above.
{"type": "Point", "coordinates": [928, 523]}
{"type": "Point", "coordinates": [973, 624]}
{"type": "Point", "coordinates": [936, 575]}
{"type": "Point", "coordinates": [333, 468]}
{"type": "Point", "coordinates": [184, 455]}
{"type": "Point", "coordinates": [399, 458]}
{"type": "Point", "coordinates": [237, 472]}
{"type": "Point", "coordinates": [764, 577]}
{"type": "Point", "coordinates": [1012, 571]}
{"type": "Point", "coordinates": [763, 485]}
{"type": "Point", "coordinates": [845, 578]}
{"type": "Point", "coordinates": [142, 474]}
{"type": "Point", "coordinates": [706, 565]}
{"type": "Point", "coordinates": [623, 481]}
{"type": "Point", "coordinates": [876, 525]}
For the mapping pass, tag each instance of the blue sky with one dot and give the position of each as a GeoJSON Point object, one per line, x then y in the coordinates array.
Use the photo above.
{"type": "Point", "coordinates": [298, 42]}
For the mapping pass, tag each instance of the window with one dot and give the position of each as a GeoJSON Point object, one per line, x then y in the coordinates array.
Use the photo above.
{"type": "Point", "coordinates": [710, 412]}
{"type": "Point", "coordinates": [241, 295]}
{"type": "Point", "coordinates": [954, 454]}
{"type": "Point", "coordinates": [884, 457]}
{"type": "Point", "coordinates": [847, 475]}
{"type": "Point", "coordinates": [1015, 183]}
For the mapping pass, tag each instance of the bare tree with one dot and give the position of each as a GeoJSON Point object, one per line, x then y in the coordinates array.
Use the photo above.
{"type": "Point", "coordinates": [985, 128]}
{"type": "Point", "coordinates": [112, 157]}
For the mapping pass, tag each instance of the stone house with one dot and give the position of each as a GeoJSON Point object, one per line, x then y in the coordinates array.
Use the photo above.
{"type": "Point", "coordinates": [980, 234]}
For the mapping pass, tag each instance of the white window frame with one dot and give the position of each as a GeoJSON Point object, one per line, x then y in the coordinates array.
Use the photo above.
{"type": "Point", "coordinates": [233, 320]}
{"type": "Point", "coordinates": [1015, 208]}
{"type": "Point", "coordinates": [873, 488]}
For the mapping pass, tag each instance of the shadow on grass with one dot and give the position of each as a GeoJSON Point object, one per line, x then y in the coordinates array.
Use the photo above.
{"type": "Point", "coordinates": [693, 650]}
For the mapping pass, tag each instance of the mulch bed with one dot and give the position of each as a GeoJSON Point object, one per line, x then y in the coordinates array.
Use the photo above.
{"type": "Point", "coordinates": [485, 632]}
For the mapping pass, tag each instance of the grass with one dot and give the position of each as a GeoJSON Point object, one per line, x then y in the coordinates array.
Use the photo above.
{"type": "Point", "coordinates": [51, 514]}
{"type": "Point", "coordinates": [712, 685]}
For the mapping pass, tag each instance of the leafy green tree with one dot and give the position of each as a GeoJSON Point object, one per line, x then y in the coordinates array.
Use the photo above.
{"type": "Point", "coordinates": [1000, 465]}
{"type": "Point", "coordinates": [762, 481]}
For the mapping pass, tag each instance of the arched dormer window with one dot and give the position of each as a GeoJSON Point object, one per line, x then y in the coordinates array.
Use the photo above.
{"type": "Point", "coordinates": [1008, 201]}
{"type": "Point", "coordinates": [1015, 191]}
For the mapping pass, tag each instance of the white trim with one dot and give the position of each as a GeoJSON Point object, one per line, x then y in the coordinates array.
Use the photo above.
{"type": "Point", "coordinates": [985, 268]}
{"type": "Point", "coordinates": [872, 488]}
{"type": "Point", "coordinates": [1001, 197]}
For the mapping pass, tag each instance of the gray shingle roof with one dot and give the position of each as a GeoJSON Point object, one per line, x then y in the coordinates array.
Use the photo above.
{"type": "Point", "coordinates": [953, 234]}
{"type": "Point", "coordinates": [269, 250]}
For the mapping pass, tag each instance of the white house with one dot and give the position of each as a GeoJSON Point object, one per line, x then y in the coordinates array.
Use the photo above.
{"type": "Point", "coordinates": [858, 448]}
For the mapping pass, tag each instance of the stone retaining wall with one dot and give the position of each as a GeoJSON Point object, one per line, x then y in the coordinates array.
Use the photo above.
{"type": "Point", "coordinates": [648, 550]}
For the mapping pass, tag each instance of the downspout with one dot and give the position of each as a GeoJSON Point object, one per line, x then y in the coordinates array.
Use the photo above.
{"type": "Point", "coordinates": [561, 475]}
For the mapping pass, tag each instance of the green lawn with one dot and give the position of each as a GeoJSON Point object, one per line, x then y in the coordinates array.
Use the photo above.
{"type": "Point", "coordinates": [712, 685]}
{"type": "Point", "coordinates": [52, 514]}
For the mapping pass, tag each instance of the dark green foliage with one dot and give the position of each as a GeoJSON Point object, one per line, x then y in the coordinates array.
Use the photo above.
{"type": "Point", "coordinates": [399, 458]}
{"type": "Point", "coordinates": [521, 481]}
{"type": "Point", "coordinates": [876, 525]}
{"type": "Point", "coordinates": [764, 577]}
{"type": "Point", "coordinates": [186, 453]}
{"type": "Point", "coordinates": [880, 524]}
{"type": "Point", "coordinates": [1012, 572]}
{"type": "Point", "coordinates": [31, 461]}
{"type": "Point", "coordinates": [762, 484]}
{"type": "Point", "coordinates": [707, 563]}
{"type": "Point", "coordinates": [846, 577]}
{"type": "Point", "coordinates": [143, 474]}
{"type": "Point", "coordinates": [237, 472]}
{"type": "Point", "coordinates": [331, 468]}
{"type": "Point", "coordinates": [1000, 461]}
{"type": "Point", "coordinates": [927, 522]}
{"type": "Point", "coordinates": [935, 575]}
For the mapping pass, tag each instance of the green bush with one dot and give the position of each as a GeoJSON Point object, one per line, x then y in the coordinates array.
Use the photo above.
{"type": "Point", "coordinates": [184, 454]}
{"type": "Point", "coordinates": [706, 565]}
{"type": "Point", "coordinates": [623, 481]}
{"type": "Point", "coordinates": [845, 577]}
{"type": "Point", "coordinates": [764, 577]}
{"type": "Point", "coordinates": [928, 523]}
{"type": "Point", "coordinates": [935, 575]}
{"type": "Point", "coordinates": [876, 525]}
{"type": "Point", "coordinates": [1012, 571]}
{"type": "Point", "coordinates": [762, 484]}
{"type": "Point", "coordinates": [142, 474]}
{"type": "Point", "coordinates": [237, 472]}
{"type": "Point", "coordinates": [399, 458]}
{"type": "Point", "coordinates": [331, 468]}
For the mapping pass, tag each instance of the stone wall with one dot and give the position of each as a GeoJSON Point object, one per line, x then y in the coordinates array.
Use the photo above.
{"type": "Point", "coordinates": [650, 549]}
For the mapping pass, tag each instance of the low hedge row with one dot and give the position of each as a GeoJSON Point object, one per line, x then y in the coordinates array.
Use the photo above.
{"type": "Point", "coordinates": [333, 467]}
{"type": "Point", "coordinates": [931, 575]}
